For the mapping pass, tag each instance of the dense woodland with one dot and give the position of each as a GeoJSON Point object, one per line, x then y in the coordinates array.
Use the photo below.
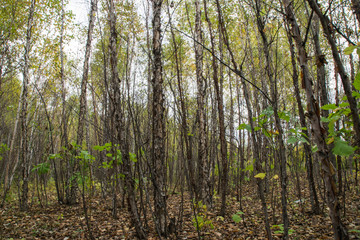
{"type": "Point", "coordinates": [180, 119]}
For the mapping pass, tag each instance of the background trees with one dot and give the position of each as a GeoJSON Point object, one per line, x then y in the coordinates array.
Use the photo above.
{"type": "Point", "coordinates": [153, 110]}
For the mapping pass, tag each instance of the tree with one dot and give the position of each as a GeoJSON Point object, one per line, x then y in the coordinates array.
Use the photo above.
{"type": "Point", "coordinates": [340, 231]}
{"type": "Point", "coordinates": [158, 124]}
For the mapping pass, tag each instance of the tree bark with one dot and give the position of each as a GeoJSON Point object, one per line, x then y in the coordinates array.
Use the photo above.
{"type": "Point", "coordinates": [158, 124]}
{"type": "Point", "coordinates": [120, 125]}
{"type": "Point", "coordinates": [204, 192]}
{"type": "Point", "coordinates": [340, 231]}
{"type": "Point", "coordinates": [279, 137]}
{"type": "Point", "coordinates": [220, 108]}
{"type": "Point", "coordinates": [356, 9]}
{"type": "Point", "coordinates": [23, 115]}
{"type": "Point", "coordinates": [84, 81]}
{"type": "Point", "coordinates": [327, 28]}
{"type": "Point", "coordinates": [315, 207]}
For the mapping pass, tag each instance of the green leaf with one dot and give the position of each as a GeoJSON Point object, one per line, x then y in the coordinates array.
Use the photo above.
{"type": "Point", "coordinates": [357, 81]}
{"type": "Point", "coordinates": [349, 50]}
{"type": "Point", "coordinates": [236, 218]}
{"type": "Point", "coordinates": [133, 157]}
{"type": "Point", "coordinates": [244, 126]}
{"type": "Point", "coordinates": [324, 119]}
{"type": "Point", "coordinates": [260, 175]}
{"type": "Point", "coordinates": [314, 149]}
{"type": "Point", "coordinates": [268, 111]}
{"type": "Point", "coordinates": [284, 116]}
{"type": "Point", "coordinates": [249, 168]}
{"type": "Point", "coordinates": [257, 128]}
{"type": "Point", "coordinates": [342, 148]}
{"type": "Point", "coordinates": [292, 140]}
{"type": "Point", "coordinates": [303, 140]}
{"type": "Point", "coordinates": [356, 94]}
{"type": "Point", "coordinates": [329, 107]}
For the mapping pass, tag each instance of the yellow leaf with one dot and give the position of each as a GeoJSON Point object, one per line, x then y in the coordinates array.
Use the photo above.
{"type": "Point", "coordinates": [275, 177]}
{"type": "Point", "coordinates": [260, 175]}
{"type": "Point", "coordinates": [330, 140]}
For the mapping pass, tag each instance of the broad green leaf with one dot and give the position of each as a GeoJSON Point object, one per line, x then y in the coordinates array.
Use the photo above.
{"type": "Point", "coordinates": [292, 140]}
{"type": "Point", "coordinates": [249, 168]}
{"type": "Point", "coordinates": [284, 116]}
{"type": "Point", "coordinates": [357, 81]}
{"type": "Point", "coordinates": [260, 175]}
{"type": "Point", "coordinates": [98, 148]}
{"type": "Point", "coordinates": [303, 140]}
{"type": "Point", "coordinates": [355, 94]}
{"type": "Point", "coordinates": [133, 157]}
{"type": "Point", "coordinates": [344, 104]}
{"type": "Point", "coordinates": [244, 126]}
{"type": "Point", "coordinates": [236, 218]}
{"type": "Point", "coordinates": [324, 119]}
{"type": "Point", "coordinates": [268, 111]}
{"type": "Point", "coordinates": [349, 50]}
{"type": "Point", "coordinates": [342, 148]}
{"type": "Point", "coordinates": [329, 107]}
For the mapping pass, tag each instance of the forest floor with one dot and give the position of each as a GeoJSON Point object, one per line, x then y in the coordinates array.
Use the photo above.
{"type": "Point", "coordinates": [64, 222]}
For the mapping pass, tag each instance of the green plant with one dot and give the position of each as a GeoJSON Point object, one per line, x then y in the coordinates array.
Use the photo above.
{"type": "Point", "coordinates": [202, 220]}
{"type": "Point", "coordinates": [60, 217]}
{"type": "Point", "coordinates": [3, 149]}
{"type": "Point", "coordinates": [237, 216]}
{"type": "Point", "coordinates": [41, 168]}
{"type": "Point", "coordinates": [280, 229]}
{"type": "Point", "coordinates": [336, 136]}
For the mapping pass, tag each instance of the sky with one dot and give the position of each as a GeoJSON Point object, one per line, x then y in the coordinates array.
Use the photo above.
{"type": "Point", "coordinates": [80, 8]}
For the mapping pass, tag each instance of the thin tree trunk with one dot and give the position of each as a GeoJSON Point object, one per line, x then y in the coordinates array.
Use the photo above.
{"type": "Point", "coordinates": [220, 108]}
{"type": "Point", "coordinates": [119, 115]}
{"type": "Point", "coordinates": [280, 142]}
{"type": "Point", "coordinates": [340, 231]}
{"type": "Point", "coordinates": [255, 147]}
{"type": "Point", "coordinates": [315, 207]}
{"type": "Point", "coordinates": [325, 22]}
{"type": "Point", "coordinates": [203, 174]}
{"type": "Point", "coordinates": [23, 144]}
{"type": "Point", "coordinates": [158, 124]}
{"type": "Point", "coordinates": [185, 133]}
{"type": "Point", "coordinates": [356, 9]}
{"type": "Point", "coordinates": [84, 81]}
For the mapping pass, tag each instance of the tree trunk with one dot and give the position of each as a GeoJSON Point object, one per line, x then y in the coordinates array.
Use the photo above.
{"type": "Point", "coordinates": [315, 207]}
{"type": "Point", "coordinates": [280, 142]}
{"type": "Point", "coordinates": [340, 231]}
{"type": "Point", "coordinates": [120, 125]}
{"type": "Point", "coordinates": [327, 27]}
{"type": "Point", "coordinates": [220, 108]}
{"type": "Point", "coordinates": [158, 124]}
{"type": "Point", "coordinates": [356, 9]}
{"type": "Point", "coordinates": [23, 115]}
